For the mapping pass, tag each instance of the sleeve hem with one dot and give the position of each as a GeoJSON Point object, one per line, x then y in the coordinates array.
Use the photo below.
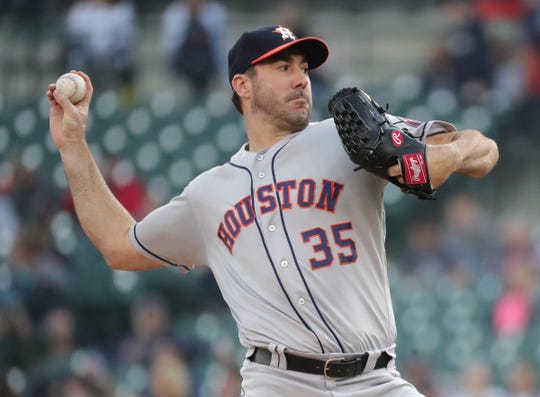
{"type": "Point", "coordinates": [151, 255]}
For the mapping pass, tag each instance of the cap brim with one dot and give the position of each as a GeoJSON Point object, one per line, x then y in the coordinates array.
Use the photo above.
{"type": "Point", "coordinates": [315, 49]}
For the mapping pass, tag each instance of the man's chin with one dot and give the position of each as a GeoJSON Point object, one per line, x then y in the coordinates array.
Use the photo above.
{"type": "Point", "coordinates": [301, 121]}
{"type": "Point", "coordinates": [303, 111]}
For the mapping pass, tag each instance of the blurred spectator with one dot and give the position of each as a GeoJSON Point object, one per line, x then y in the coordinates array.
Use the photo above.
{"type": "Point", "coordinates": [17, 334]}
{"type": "Point", "coordinates": [101, 36]}
{"type": "Point", "coordinates": [149, 328]}
{"type": "Point", "coordinates": [438, 72]}
{"type": "Point", "coordinates": [194, 34]}
{"type": "Point", "coordinates": [58, 338]}
{"type": "Point", "coordinates": [466, 50]}
{"type": "Point", "coordinates": [531, 28]}
{"type": "Point", "coordinates": [514, 308]}
{"type": "Point", "coordinates": [128, 188]}
{"type": "Point", "coordinates": [522, 381]}
{"type": "Point", "coordinates": [509, 71]}
{"type": "Point", "coordinates": [225, 380]}
{"type": "Point", "coordinates": [520, 266]}
{"type": "Point", "coordinates": [476, 381]}
{"type": "Point", "coordinates": [517, 244]}
{"type": "Point", "coordinates": [152, 347]}
{"type": "Point", "coordinates": [64, 368]}
{"type": "Point", "coordinates": [469, 51]}
{"type": "Point", "coordinates": [469, 234]}
{"type": "Point", "coordinates": [169, 375]}
{"type": "Point", "coordinates": [419, 372]}
{"type": "Point", "coordinates": [499, 9]}
{"type": "Point", "coordinates": [229, 383]}
{"type": "Point", "coordinates": [39, 276]}
{"type": "Point", "coordinates": [34, 198]}
{"type": "Point", "coordinates": [426, 257]}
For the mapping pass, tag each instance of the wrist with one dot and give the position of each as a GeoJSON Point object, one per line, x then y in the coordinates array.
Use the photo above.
{"type": "Point", "coordinates": [443, 160]}
{"type": "Point", "coordinates": [72, 144]}
{"type": "Point", "coordinates": [74, 148]}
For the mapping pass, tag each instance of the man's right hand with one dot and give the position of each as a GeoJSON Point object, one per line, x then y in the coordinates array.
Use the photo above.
{"type": "Point", "coordinates": [68, 121]}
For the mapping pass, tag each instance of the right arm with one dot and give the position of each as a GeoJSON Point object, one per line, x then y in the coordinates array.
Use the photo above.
{"type": "Point", "coordinates": [104, 220]}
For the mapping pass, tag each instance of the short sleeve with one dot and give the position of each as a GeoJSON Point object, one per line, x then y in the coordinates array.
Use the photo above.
{"type": "Point", "coordinates": [420, 129]}
{"type": "Point", "coordinates": [170, 235]}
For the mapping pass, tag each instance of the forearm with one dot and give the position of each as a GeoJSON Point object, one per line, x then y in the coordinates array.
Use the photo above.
{"type": "Point", "coordinates": [104, 220]}
{"type": "Point", "coordinates": [479, 154]}
{"type": "Point", "coordinates": [467, 152]}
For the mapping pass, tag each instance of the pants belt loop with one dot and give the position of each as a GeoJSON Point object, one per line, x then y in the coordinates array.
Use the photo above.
{"type": "Point", "coordinates": [372, 359]}
{"type": "Point", "coordinates": [282, 362]}
{"type": "Point", "coordinates": [274, 362]}
{"type": "Point", "coordinates": [250, 351]}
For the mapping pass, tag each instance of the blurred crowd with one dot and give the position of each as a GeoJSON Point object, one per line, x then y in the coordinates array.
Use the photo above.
{"type": "Point", "coordinates": [488, 45]}
{"type": "Point", "coordinates": [170, 335]}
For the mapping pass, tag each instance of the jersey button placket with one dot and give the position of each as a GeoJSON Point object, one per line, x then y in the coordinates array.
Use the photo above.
{"type": "Point", "coordinates": [260, 174]}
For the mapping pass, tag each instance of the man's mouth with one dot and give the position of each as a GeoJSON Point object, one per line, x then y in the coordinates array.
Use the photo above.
{"type": "Point", "coordinates": [296, 96]}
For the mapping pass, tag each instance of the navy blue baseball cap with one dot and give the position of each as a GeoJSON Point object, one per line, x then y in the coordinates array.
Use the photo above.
{"type": "Point", "coordinates": [257, 45]}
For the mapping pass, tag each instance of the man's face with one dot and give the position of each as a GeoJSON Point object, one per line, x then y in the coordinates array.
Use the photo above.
{"type": "Point", "coordinates": [282, 91]}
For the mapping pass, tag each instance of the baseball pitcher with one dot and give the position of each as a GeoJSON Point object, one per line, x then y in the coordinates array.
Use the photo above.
{"type": "Point", "coordinates": [293, 226]}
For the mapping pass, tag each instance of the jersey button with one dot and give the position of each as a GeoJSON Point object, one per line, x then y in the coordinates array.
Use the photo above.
{"type": "Point", "coordinates": [284, 263]}
{"type": "Point", "coordinates": [271, 228]}
{"type": "Point", "coordinates": [261, 174]}
{"type": "Point", "coordinates": [301, 301]}
{"type": "Point", "coordinates": [260, 157]}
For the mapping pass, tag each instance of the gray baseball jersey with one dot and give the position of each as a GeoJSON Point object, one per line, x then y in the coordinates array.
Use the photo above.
{"type": "Point", "coordinates": [295, 239]}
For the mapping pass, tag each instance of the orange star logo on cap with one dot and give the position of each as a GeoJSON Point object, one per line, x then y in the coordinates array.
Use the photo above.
{"type": "Point", "coordinates": [285, 33]}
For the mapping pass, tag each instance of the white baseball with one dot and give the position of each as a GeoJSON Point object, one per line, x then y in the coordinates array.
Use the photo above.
{"type": "Point", "coordinates": [73, 86]}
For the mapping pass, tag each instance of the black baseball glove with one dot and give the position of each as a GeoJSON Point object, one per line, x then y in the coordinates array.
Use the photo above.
{"type": "Point", "coordinates": [374, 144]}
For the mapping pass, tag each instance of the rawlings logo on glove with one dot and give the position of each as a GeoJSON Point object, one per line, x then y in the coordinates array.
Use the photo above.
{"type": "Point", "coordinates": [416, 172]}
{"type": "Point", "coordinates": [374, 145]}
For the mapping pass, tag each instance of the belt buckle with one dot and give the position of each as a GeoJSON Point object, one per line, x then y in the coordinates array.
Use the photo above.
{"type": "Point", "coordinates": [327, 364]}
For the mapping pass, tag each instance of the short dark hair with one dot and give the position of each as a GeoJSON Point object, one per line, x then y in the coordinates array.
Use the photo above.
{"type": "Point", "coordinates": [236, 102]}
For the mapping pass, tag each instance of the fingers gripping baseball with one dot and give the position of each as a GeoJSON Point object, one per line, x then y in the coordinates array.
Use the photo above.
{"type": "Point", "coordinates": [68, 120]}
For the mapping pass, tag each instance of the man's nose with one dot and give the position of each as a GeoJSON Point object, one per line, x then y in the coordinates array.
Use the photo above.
{"type": "Point", "coordinates": [301, 78]}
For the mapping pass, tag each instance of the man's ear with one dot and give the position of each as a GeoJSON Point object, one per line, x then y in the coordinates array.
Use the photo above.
{"type": "Point", "coordinates": [242, 85]}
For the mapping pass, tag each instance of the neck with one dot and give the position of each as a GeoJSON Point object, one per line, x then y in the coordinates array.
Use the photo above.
{"type": "Point", "coordinates": [262, 137]}
{"type": "Point", "coordinates": [263, 134]}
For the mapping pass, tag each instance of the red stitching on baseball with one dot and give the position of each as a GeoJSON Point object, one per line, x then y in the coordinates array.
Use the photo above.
{"type": "Point", "coordinates": [72, 78]}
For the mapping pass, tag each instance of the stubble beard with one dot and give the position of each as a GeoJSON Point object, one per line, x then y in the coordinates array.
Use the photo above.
{"type": "Point", "coordinates": [280, 113]}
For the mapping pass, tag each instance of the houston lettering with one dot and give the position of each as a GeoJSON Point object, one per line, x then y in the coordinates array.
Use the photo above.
{"type": "Point", "coordinates": [287, 195]}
